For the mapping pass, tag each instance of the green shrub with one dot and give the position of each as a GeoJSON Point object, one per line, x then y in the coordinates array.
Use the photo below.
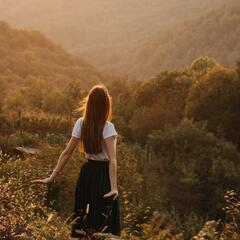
{"type": "Point", "coordinates": [53, 138]}
{"type": "Point", "coordinates": [195, 168]}
{"type": "Point", "coordinates": [159, 101]}
{"type": "Point", "coordinates": [215, 98]}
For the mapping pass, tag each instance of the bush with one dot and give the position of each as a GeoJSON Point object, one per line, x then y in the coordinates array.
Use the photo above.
{"type": "Point", "coordinates": [23, 139]}
{"type": "Point", "coordinates": [159, 101]}
{"type": "Point", "coordinates": [24, 214]}
{"type": "Point", "coordinates": [52, 138]}
{"type": "Point", "coordinates": [195, 169]}
{"type": "Point", "coordinates": [215, 98]}
{"type": "Point", "coordinates": [44, 123]}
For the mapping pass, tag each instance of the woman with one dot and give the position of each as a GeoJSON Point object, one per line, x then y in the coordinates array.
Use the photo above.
{"type": "Point", "coordinates": [96, 195]}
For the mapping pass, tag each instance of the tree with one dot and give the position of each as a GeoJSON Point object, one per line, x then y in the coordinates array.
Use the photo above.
{"type": "Point", "coordinates": [201, 65]}
{"type": "Point", "coordinates": [215, 98]}
{"type": "Point", "coordinates": [195, 168]}
{"type": "Point", "coordinates": [14, 101]}
{"type": "Point", "coordinates": [159, 101]}
{"type": "Point", "coordinates": [121, 91]}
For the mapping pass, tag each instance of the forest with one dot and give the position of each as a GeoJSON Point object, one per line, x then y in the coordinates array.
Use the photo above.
{"type": "Point", "coordinates": [178, 148]}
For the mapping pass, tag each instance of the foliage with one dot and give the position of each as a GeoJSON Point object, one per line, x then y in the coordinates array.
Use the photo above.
{"type": "Point", "coordinates": [87, 232]}
{"type": "Point", "coordinates": [229, 227]}
{"type": "Point", "coordinates": [123, 106]}
{"type": "Point", "coordinates": [160, 227]}
{"type": "Point", "coordinates": [52, 138]}
{"type": "Point", "coordinates": [27, 56]}
{"type": "Point", "coordinates": [203, 166]}
{"type": "Point", "coordinates": [215, 98]}
{"type": "Point", "coordinates": [159, 101]}
{"type": "Point", "coordinates": [40, 122]}
{"type": "Point", "coordinates": [202, 65]}
{"type": "Point", "coordinates": [23, 139]}
{"type": "Point", "coordinates": [134, 216]}
{"type": "Point", "coordinates": [39, 95]}
{"type": "Point", "coordinates": [25, 205]}
{"type": "Point", "coordinates": [24, 214]}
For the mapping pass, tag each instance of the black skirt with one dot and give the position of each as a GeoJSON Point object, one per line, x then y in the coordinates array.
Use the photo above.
{"type": "Point", "coordinates": [92, 212]}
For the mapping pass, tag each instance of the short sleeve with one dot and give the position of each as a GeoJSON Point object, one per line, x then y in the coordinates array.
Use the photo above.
{"type": "Point", "coordinates": [109, 130]}
{"type": "Point", "coordinates": [76, 131]}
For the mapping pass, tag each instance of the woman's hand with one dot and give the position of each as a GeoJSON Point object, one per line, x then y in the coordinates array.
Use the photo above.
{"type": "Point", "coordinates": [65, 155]}
{"type": "Point", "coordinates": [112, 192]}
{"type": "Point", "coordinates": [44, 181]}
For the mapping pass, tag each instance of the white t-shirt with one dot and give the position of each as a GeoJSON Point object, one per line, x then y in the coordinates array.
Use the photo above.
{"type": "Point", "coordinates": [108, 131]}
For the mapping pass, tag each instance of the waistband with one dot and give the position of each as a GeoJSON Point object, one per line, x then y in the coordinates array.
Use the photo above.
{"type": "Point", "coordinates": [106, 161]}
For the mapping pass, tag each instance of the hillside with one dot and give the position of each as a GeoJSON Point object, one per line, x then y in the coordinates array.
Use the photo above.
{"type": "Point", "coordinates": [215, 34]}
{"type": "Point", "coordinates": [103, 32]}
{"type": "Point", "coordinates": [134, 38]}
{"type": "Point", "coordinates": [27, 55]}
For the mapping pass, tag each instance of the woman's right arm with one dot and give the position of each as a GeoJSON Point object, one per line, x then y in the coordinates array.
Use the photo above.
{"type": "Point", "coordinates": [63, 158]}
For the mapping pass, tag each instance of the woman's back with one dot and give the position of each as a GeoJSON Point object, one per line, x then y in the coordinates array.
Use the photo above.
{"type": "Point", "coordinates": [108, 131]}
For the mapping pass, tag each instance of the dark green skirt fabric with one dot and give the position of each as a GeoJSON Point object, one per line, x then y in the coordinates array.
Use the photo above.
{"type": "Point", "coordinates": [92, 212]}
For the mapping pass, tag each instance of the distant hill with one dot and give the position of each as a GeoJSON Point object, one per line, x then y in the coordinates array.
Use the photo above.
{"type": "Point", "coordinates": [82, 24]}
{"type": "Point", "coordinates": [215, 34]}
{"type": "Point", "coordinates": [104, 31]}
{"type": "Point", "coordinates": [27, 54]}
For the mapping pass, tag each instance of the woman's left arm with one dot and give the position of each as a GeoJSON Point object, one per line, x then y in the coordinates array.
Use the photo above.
{"type": "Point", "coordinates": [111, 151]}
{"type": "Point", "coordinates": [63, 158]}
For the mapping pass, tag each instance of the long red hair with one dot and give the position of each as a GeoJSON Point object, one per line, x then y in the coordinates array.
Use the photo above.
{"type": "Point", "coordinates": [97, 109]}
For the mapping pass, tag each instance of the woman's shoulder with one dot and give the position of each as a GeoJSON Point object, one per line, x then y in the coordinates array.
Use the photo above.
{"type": "Point", "coordinates": [77, 128]}
{"type": "Point", "coordinates": [79, 119]}
{"type": "Point", "coordinates": [109, 129]}
{"type": "Point", "coordinates": [78, 122]}
{"type": "Point", "coordinates": [109, 123]}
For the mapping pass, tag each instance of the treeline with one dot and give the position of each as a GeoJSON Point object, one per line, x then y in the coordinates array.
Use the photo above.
{"type": "Point", "coordinates": [205, 92]}
{"type": "Point", "coordinates": [188, 123]}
